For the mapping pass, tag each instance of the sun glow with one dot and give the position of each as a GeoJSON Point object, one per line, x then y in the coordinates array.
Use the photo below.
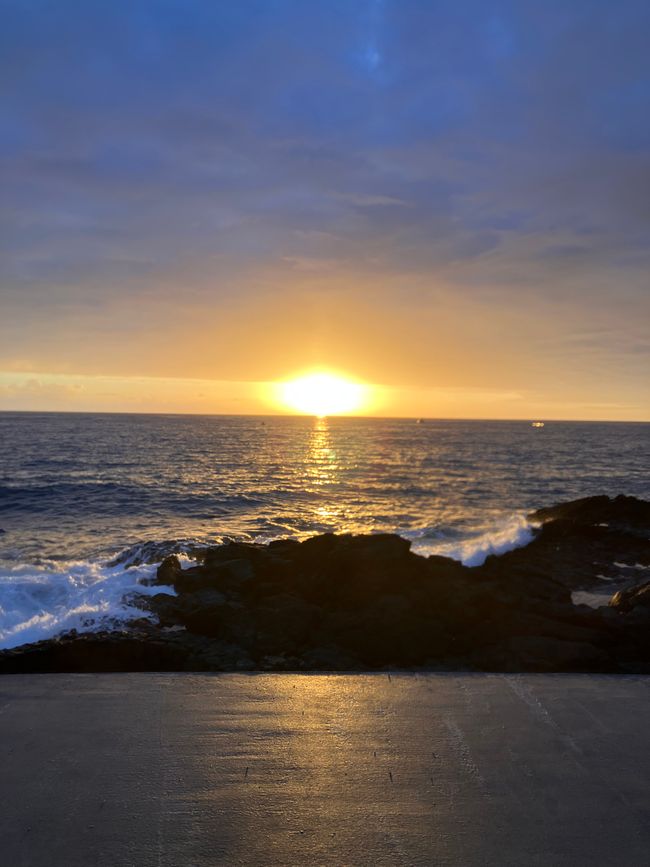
{"type": "Point", "coordinates": [322, 394]}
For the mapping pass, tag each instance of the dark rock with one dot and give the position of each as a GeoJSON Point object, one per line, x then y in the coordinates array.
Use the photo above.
{"type": "Point", "coordinates": [169, 570]}
{"type": "Point", "coordinates": [234, 551]}
{"type": "Point", "coordinates": [188, 580]}
{"type": "Point", "coordinates": [205, 612]}
{"type": "Point", "coordinates": [222, 574]}
{"type": "Point", "coordinates": [191, 610]}
{"type": "Point", "coordinates": [284, 624]}
{"type": "Point", "coordinates": [347, 602]}
{"type": "Point", "coordinates": [632, 598]}
{"type": "Point", "coordinates": [618, 512]}
{"type": "Point", "coordinates": [329, 659]}
{"type": "Point", "coordinates": [96, 652]}
{"type": "Point", "coordinates": [283, 546]}
{"type": "Point", "coordinates": [541, 653]}
{"type": "Point", "coordinates": [233, 573]}
{"type": "Point", "coordinates": [210, 655]}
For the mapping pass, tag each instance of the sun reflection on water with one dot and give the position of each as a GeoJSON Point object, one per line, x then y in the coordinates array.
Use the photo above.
{"type": "Point", "coordinates": [322, 464]}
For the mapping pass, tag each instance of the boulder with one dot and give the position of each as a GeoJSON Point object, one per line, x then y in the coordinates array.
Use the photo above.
{"type": "Point", "coordinates": [222, 574]}
{"type": "Point", "coordinates": [203, 611]}
{"type": "Point", "coordinates": [632, 598]}
{"type": "Point", "coordinates": [619, 512]}
{"type": "Point", "coordinates": [169, 571]}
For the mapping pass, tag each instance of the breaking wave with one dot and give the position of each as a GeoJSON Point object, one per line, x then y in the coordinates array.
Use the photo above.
{"type": "Point", "coordinates": [474, 549]}
{"type": "Point", "coordinates": [44, 600]}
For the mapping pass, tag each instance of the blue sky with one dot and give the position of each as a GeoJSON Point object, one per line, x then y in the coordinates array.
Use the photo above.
{"type": "Point", "coordinates": [432, 195]}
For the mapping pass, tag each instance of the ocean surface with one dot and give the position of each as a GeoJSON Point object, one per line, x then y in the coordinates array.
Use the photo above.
{"type": "Point", "coordinates": [89, 504]}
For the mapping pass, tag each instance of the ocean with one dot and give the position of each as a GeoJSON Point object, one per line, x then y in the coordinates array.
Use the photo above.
{"type": "Point", "coordinates": [89, 504]}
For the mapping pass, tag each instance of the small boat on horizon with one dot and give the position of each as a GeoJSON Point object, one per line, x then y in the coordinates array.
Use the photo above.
{"type": "Point", "coordinates": [537, 424]}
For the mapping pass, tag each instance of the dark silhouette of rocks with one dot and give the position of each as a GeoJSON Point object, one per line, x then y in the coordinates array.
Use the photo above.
{"type": "Point", "coordinates": [633, 598]}
{"type": "Point", "coordinates": [344, 602]}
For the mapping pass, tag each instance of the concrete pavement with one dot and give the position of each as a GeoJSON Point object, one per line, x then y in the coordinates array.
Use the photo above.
{"type": "Point", "coordinates": [281, 769]}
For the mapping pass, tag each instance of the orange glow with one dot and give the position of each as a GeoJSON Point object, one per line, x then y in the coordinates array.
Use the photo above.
{"type": "Point", "coordinates": [321, 394]}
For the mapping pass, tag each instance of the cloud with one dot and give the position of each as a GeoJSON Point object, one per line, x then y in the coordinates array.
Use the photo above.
{"type": "Point", "coordinates": [163, 164]}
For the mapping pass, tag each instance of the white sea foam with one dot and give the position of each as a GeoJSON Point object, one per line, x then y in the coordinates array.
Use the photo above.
{"type": "Point", "coordinates": [41, 601]}
{"type": "Point", "coordinates": [473, 550]}
{"type": "Point", "coordinates": [592, 600]}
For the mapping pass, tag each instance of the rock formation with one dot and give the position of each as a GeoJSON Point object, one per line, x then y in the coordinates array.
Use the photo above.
{"type": "Point", "coordinates": [343, 602]}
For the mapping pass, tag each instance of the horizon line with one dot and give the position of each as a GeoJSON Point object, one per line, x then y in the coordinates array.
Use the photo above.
{"type": "Point", "coordinates": [545, 419]}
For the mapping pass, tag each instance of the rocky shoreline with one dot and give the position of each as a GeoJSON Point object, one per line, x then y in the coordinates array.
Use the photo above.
{"type": "Point", "coordinates": [363, 603]}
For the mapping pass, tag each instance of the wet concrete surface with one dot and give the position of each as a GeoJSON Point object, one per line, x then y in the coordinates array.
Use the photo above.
{"type": "Point", "coordinates": [282, 769]}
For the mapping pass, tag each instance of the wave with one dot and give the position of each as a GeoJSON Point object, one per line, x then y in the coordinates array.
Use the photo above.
{"type": "Point", "coordinates": [150, 553]}
{"type": "Point", "coordinates": [473, 550]}
{"type": "Point", "coordinates": [106, 498]}
{"type": "Point", "coordinates": [42, 601]}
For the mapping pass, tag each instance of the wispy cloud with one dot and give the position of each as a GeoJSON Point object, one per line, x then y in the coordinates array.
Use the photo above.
{"type": "Point", "coordinates": [166, 164]}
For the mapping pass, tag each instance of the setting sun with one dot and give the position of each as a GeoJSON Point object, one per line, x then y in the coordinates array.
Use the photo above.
{"type": "Point", "coordinates": [322, 394]}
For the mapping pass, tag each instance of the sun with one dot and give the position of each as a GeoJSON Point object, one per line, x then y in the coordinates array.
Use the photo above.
{"type": "Point", "coordinates": [321, 394]}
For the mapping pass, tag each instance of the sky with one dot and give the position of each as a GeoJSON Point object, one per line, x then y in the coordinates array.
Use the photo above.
{"type": "Point", "coordinates": [448, 200]}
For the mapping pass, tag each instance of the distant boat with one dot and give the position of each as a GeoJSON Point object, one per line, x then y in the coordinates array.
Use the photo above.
{"type": "Point", "coordinates": [537, 424]}
{"type": "Point", "coordinates": [418, 421]}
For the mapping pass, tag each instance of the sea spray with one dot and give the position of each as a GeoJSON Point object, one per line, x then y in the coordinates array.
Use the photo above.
{"type": "Point", "coordinates": [44, 600]}
{"type": "Point", "coordinates": [472, 550]}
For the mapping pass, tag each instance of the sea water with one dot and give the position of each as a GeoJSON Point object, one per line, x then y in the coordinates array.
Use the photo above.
{"type": "Point", "coordinates": [89, 504]}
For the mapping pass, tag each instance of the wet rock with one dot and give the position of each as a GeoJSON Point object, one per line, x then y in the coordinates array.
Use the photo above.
{"type": "Point", "coordinates": [169, 570]}
{"type": "Point", "coordinates": [204, 612]}
{"type": "Point", "coordinates": [215, 574]}
{"type": "Point", "coordinates": [632, 598]}
{"type": "Point", "coordinates": [347, 602]}
{"type": "Point", "coordinates": [96, 652]}
{"type": "Point", "coordinates": [191, 610]}
{"type": "Point", "coordinates": [627, 513]}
